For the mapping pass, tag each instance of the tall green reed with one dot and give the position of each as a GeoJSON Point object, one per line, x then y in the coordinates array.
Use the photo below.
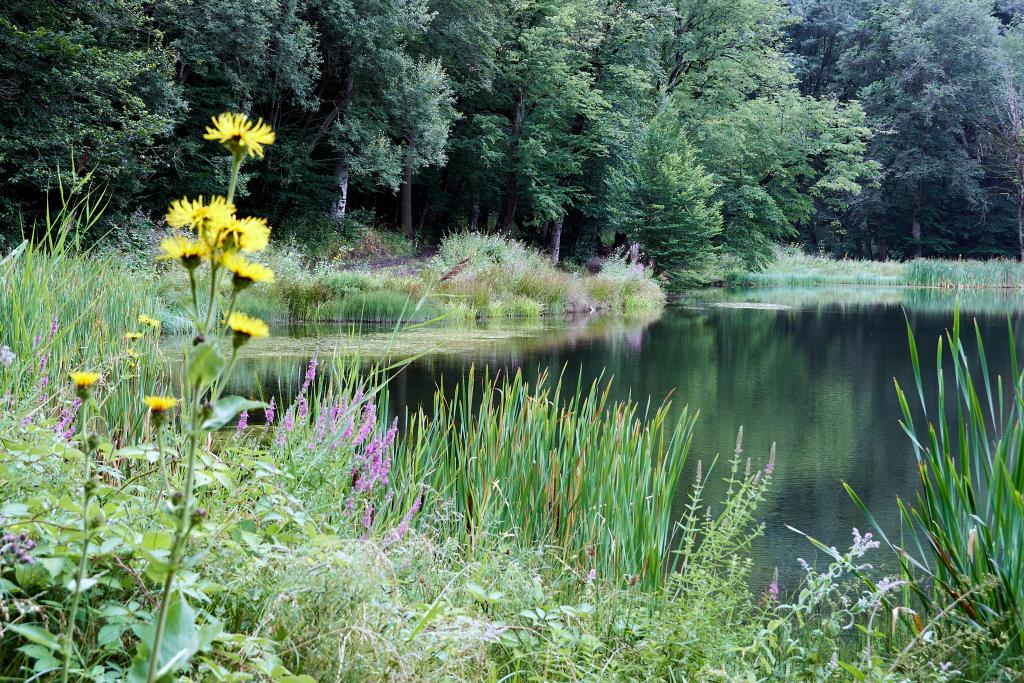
{"type": "Point", "coordinates": [963, 532]}
{"type": "Point", "coordinates": [63, 308]}
{"type": "Point", "coordinates": [556, 465]}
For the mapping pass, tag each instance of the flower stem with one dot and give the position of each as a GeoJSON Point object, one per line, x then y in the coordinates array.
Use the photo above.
{"type": "Point", "coordinates": [177, 550]}
{"type": "Point", "coordinates": [84, 559]}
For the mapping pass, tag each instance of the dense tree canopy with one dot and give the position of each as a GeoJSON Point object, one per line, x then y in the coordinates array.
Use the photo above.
{"type": "Point", "coordinates": [870, 127]}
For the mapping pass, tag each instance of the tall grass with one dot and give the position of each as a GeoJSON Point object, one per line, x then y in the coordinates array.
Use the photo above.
{"type": "Point", "coordinates": [63, 309]}
{"type": "Point", "coordinates": [557, 465]}
{"type": "Point", "coordinates": [793, 267]}
{"type": "Point", "coordinates": [966, 526]}
{"type": "Point", "coordinates": [965, 274]}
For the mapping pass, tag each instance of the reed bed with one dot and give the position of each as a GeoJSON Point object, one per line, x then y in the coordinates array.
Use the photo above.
{"type": "Point", "coordinates": [965, 274]}
{"type": "Point", "coordinates": [63, 309]}
{"type": "Point", "coordinates": [557, 466]}
{"type": "Point", "coordinates": [793, 268]}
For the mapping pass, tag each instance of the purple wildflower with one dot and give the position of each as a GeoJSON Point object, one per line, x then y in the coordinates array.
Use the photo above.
{"type": "Point", "coordinates": [310, 376]}
{"type": "Point", "coordinates": [773, 590]}
{"type": "Point", "coordinates": [303, 408]}
{"type": "Point", "coordinates": [862, 544]}
{"type": "Point", "coordinates": [268, 412]}
{"type": "Point", "coordinates": [368, 516]}
{"type": "Point", "coordinates": [65, 425]}
{"type": "Point", "coordinates": [368, 422]}
{"type": "Point", "coordinates": [321, 428]}
{"type": "Point", "coordinates": [243, 422]}
{"type": "Point", "coordinates": [54, 326]}
{"type": "Point", "coordinates": [36, 339]}
{"type": "Point", "coordinates": [289, 421]}
{"type": "Point", "coordinates": [403, 527]}
{"type": "Point", "coordinates": [336, 411]}
{"type": "Point", "coordinates": [7, 357]}
{"type": "Point", "coordinates": [592, 574]}
{"type": "Point", "coordinates": [768, 468]}
{"type": "Point", "coordinates": [887, 584]}
{"type": "Point", "coordinates": [17, 546]}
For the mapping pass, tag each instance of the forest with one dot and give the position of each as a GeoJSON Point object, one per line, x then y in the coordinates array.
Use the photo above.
{"type": "Point", "coordinates": [704, 130]}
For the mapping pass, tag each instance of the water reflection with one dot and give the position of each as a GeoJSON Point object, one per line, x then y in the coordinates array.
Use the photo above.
{"type": "Point", "coordinates": [814, 374]}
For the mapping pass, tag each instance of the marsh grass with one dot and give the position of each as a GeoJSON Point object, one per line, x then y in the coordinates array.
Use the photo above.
{"type": "Point", "coordinates": [793, 267]}
{"type": "Point", "coordinates": [64, 309]}
{"type": "Point", "coordinates": [965, 274]}
{"type": "Point", "coordinates": [558, 465]}
{"type": "Point", "coordinates": [962, 551]}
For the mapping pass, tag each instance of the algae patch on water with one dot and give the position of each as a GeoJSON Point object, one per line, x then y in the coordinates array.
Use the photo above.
{"type": "Point", "coordinates": [752, 305]}
{"type": "Point", "coordinates": [406, 342]}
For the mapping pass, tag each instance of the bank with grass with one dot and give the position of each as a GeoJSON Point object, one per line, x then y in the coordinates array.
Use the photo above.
{"type": "Point", "coordinates": [793, 267]}
{"type": "Point", "coordinates": [503, 535]}
{"type": "Point", "coordinates": [154, 528]}
{"type": "Point", "coordinates": [471, 277]}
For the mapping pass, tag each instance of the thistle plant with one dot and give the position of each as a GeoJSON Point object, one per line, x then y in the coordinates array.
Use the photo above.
{"type": "Point", "coordinates": [211, 247]}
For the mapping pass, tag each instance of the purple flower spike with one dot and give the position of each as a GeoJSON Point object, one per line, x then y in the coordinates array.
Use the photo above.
{"type": "Point", "coordinates": [368, 422]}
{"type": "Point", "coordinates": [243, 422]}
{"type": "Point", "coordinates": [268, 412]}
{"type": "Point", "coordinates": [66, 424]}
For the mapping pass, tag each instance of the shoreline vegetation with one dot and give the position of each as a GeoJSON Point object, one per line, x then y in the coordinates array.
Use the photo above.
{"type": "Point", "coordinates": [320, 530]}
{"type": "Point", "coordinates": [472, 277]}
{"type": "Point", "coordinates": [518, 531]}
{"type": "Point", "coordinates": [792, 266]}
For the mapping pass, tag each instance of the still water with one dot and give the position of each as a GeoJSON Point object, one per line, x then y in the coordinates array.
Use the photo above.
{"type": "Point", "coordinates": [810, 370]}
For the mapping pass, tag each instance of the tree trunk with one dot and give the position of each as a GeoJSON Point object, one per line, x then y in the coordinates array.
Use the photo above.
{"type": "Point", "coordinates": [556, 240]}
{"type": "Point", "coordinates": [474, 215]}
{"type": "Point", "coordinates": [883, 250]}
{"type": "Point", "coordinates": [405, 201]}
{"type": "Point", "coordinates": [423, 214]}
{"type": "Point", "coordinates": [1020, 225]}
{"type": "Point", "coordinates": [341, 177]}
{"type": "Point", "coordinates": [511, 201]}
{"type": "Point", "coordinates": [915, 223]}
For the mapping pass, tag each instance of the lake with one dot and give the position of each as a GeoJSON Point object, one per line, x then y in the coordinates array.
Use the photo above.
{"type": "Point", "coordinates": [810, 370]}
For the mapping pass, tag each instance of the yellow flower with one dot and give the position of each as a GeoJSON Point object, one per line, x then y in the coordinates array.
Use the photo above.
{"type": "Point", "coordinates": [159, 404]}
{"type": "Point", "coordinates": [247, 326]}
{"type": "Point", "coordinates": [208, 220]}
{"type": "Point", "coordinates": [152, 322]}
{"type": "Point", "coordinates": [189, 251]}
{"type": "Point", "coordinates": [245, 272]}
{"type": "Point", "coordinates": [84, 380]}
{"type": "Point", "coordinates": [132, 336]}
{"type": "Point", "coordinates": [247, 234]}
{"type": "Point", "coordinates": [240, 135]}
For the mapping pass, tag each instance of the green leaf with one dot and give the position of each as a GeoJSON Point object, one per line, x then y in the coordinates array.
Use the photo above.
{"type": "Point", "coordinates": [37, 635]}
{"type": "Point", "coordinates": [110, 633]}
{"type": "Point", "coordinates": [181, 640]}
{"type": "Point", "coordinates": [205, 364]}
{"type": "Point", "coordinates": [227, 409]}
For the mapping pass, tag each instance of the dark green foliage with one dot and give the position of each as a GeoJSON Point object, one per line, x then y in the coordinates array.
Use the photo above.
{"type": "Point", "coordinates": [84, 86]}
{"type": "Point", "coordinates": [664, 199]}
